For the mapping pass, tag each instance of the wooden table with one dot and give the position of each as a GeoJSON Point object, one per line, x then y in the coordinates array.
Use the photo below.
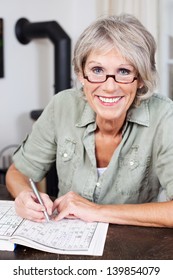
{"type": "Point", "coordinates": [122, 243]}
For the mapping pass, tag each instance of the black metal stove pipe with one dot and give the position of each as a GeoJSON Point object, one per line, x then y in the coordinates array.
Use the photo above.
{"type": "Point", "coordinates": [26, 31]}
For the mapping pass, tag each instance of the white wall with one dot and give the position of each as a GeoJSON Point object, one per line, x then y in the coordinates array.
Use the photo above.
{"type": "Point", "coordinates": [29, 69]}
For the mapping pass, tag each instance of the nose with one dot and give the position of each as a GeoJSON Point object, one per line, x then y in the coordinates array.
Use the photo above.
{"type": "Point", "coordinates": [110, 85]}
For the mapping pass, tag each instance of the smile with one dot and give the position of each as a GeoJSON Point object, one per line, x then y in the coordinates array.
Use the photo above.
{"type": "Point", "coordinates": [109, 100]}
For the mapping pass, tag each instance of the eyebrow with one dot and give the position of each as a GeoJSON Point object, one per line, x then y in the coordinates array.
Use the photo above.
{"type": "Point", "coordinates": [92, 61]}
{"type": "Point", "coordinates": [121, 65]}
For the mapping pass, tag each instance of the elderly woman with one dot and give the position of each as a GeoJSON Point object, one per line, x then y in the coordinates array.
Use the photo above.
{"type": "Point", "coordinates": [112, 140]}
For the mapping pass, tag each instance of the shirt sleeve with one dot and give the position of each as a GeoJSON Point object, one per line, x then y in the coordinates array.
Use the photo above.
{"type": "Point", "coordinates": [163, 146]}
{"type": "Point", "coordinates": [38, 151]}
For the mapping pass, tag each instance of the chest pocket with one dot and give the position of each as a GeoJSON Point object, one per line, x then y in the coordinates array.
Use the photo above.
{"type": "Point", "coordinates": [67, 150]}
{"type": "Point", "coordinates": [66, 164]}
{"type": "Point", "coordinates": [133, 172]}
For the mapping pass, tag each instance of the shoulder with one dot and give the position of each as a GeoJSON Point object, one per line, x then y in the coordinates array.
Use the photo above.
{"type": "Point", "coordinates": [160, 100]}
{"type": "Point", "coordinates": [72, 94]}
{"type": "Point", "coordinates": [63, 105]}
{"type": "Point", "coordinates": [67, 105]}
{"type": "Point", "coordinates": [160, 104]}
{"type": "Point", "coordinates": [160, 111]}
{"type": "Point", "coordinates": [66, 101]}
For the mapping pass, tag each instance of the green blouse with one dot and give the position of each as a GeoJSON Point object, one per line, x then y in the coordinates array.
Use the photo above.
{"type": "Point", "coordinates": [140, 166]}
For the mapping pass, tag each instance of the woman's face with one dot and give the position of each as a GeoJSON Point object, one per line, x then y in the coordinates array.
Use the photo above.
{"type": "Point", "coordinates": [110, 100]}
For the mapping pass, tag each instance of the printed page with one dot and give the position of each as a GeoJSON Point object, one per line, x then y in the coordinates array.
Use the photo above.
{"type": "Point", "coordinates": [9, 221]}
{"type": "Point", "coordinates": [95, 248]}
{"type": "Point", "coordinates": [68, 236]}
{"type": "Point", "coordinates": [64, 235]}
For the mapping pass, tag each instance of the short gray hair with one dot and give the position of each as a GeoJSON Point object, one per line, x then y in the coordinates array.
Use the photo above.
{"type": "Point", "coordinates": [126, 34]}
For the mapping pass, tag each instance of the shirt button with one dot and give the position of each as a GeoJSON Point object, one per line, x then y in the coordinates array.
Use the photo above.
{"type": "Point", "coordinates": [65, 155]}
{"type": "Point", "coordinates": [97, 184]}
{"type": "Point", "coordinates": [132, 162]}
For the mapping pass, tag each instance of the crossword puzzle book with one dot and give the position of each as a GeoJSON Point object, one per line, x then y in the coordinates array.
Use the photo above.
{"type": "Point", "coordinates": [62, 237]}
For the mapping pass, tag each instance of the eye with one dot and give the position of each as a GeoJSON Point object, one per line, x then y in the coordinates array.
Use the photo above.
{"type": "Point", "coordinates": [97, 70]}
{"type": "Point", "coordinates": [124, 71]}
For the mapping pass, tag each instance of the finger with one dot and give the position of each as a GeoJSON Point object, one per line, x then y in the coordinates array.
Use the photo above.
{"type": "Point", "coordinates": [35, 205]}
{"type": "Point", "coordinates": [30, 214]}
{"type": "Point", "coordinates": [61, 215]}
{"type": "Point", "coordinates": [48, 203]}
{"type": "Point", "coordinates": [27, 199]}
{"type": "Point", "coordinates": [57, 202]}
{"type": "Point", "coordinates": [68, 197]}
{"type": "Point", "coordinates": [26, 207]}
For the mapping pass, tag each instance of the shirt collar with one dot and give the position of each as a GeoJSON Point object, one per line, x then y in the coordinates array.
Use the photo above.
{"type": "Point", "coordinates": [139, 115]}
{"type": "Point", "coordinates": [88, 116]}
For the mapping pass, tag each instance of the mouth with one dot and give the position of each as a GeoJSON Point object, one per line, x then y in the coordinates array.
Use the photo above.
{"type": "Point", "coordinates": [109, 100]}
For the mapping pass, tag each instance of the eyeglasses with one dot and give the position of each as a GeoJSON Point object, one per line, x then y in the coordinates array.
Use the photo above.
{"type": "Point", "coordinates": [101, 78]}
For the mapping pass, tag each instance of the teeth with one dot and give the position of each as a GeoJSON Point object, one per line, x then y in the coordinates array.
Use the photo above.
{"type": "Point", "coordinates": [109, 100]}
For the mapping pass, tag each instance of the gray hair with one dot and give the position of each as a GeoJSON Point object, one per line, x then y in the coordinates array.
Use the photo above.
{"type": "Point", "coordinates": [126, 34]}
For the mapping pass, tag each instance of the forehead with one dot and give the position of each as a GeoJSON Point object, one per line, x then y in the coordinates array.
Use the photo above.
{"type": "Point", "coordinates": [109, 56]}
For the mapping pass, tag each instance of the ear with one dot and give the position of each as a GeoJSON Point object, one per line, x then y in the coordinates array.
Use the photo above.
{"type": "Point", "coordinates": [81, 78]}
{"type": "Point", "coordinates": [140, 85]}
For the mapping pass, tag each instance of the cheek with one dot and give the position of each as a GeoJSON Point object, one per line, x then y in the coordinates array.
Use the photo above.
{"type": "Point", "coordinates": [91, 87]}
{"type": "Point", "coordinates": [89, 90]}
{"type": "Point", "coordinates": [130, 95]}
{"type": "Point", "coordinates": [133, 91]}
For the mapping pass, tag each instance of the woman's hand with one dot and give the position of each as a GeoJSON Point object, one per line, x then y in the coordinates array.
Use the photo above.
{"type": "Point", "coordinates": [27, 206]}
{"type": "Point", "coordinates": [72, 205]}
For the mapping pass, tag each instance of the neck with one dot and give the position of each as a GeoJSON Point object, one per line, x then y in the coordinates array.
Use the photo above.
{"type": "Point", "coordinates": [111, 128]}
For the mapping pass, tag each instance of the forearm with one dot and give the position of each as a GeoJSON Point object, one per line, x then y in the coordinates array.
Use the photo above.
{"type": "Point", "coordinates": [16, 181]}
{"type": "Point", "coordinates": [156, 214]}
{"type": "Point", "coordinates": [148, 214]}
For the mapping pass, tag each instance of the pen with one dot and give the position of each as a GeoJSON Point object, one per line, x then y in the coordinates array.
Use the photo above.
{"type": "Point", "coordinates": [34, 188]}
